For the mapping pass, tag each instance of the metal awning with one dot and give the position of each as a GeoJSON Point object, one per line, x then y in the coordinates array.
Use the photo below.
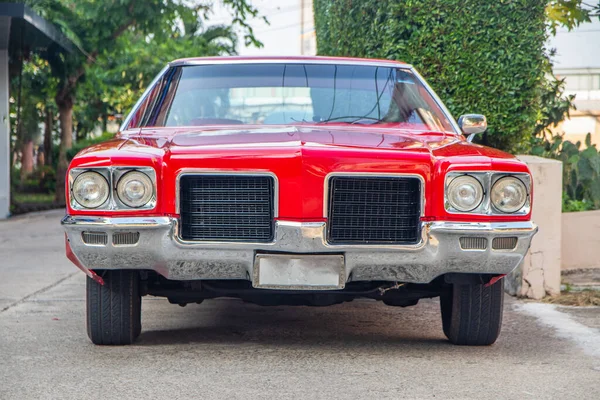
{"type": "Point", "coordinates": [27, 30]}
{"type": "Point", "coordinates": [21, 31]}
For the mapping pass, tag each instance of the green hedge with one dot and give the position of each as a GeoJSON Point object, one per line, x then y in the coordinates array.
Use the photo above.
{"type": "Point", "coordinates": [480, 56]}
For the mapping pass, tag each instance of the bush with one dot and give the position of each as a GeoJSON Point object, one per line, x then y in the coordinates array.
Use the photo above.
{"type": "Point", "coordinates": [47, 178]}
{"type": "Point", "coordinates": [484, 56]}
{"type": "Point", "coordinates": [42, 180]}
{"type": "Point", "coordinates": [581, 171]}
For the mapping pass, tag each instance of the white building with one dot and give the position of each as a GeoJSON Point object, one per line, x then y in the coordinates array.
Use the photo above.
{"type": "Point", "coordinates": [290, 31]}
{"type": "Point", "coordinates": [578, 61]}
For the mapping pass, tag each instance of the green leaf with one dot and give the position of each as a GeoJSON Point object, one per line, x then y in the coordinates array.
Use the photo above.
{"type": "Point", "coordinates": [584, 170]}
{"type": "Point", "coordinates": [574, 159]}
{"type": "Point", "coordinates": [588, 140]}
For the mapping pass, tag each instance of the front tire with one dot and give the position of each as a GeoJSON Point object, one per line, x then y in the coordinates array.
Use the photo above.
{"type": "Point", "coordinates": [472, 314]}
{"type": "Point", "coordinates": [114, 314]}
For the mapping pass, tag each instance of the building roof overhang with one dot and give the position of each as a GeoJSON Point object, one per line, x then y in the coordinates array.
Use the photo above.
{"type": "Point", "coordinates": [21, 29]}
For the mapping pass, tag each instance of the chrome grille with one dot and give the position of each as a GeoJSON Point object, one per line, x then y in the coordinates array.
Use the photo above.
{"type": "Point", "coordinates": [227, 207]}
{"type": "Point", "coordinates": [374, 210]}
{"type": "Point", "coordinates": [95, 238]}
{"type": "Point", "coordinates": [125, 238]}
{"type": "Point", "coordinates": [473, 243]}
{"type": "Point", "coordinates": [504, 243]}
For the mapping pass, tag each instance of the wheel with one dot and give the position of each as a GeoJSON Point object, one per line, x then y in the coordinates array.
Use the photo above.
{"type": "Point", "coordinates": [114, 315]}
{"type": "Point", "coordinates": [472, 314]}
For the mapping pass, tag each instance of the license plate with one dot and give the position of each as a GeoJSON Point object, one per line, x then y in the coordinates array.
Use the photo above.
{"type": "Point", "coordinates": [299, 272]}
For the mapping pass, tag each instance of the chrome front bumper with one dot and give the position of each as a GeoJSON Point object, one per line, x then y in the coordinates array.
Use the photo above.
{"type": "Point", "coordinates": [159, 248]}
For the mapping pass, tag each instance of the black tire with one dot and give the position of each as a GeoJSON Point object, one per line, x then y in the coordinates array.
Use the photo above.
{"type": "Point", "coordinates": [472, 314]}
{"type": "Point", "coordinates": [114, 315]}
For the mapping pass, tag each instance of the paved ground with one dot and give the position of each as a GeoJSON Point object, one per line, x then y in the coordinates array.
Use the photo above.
{"type": "Point", "coordinates": [225, 349]}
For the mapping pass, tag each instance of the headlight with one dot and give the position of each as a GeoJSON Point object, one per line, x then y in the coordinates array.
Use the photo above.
{"type": "Point", "coordinates": [90, 190]}
{"type": "Point", "coordinates": [464, 193]}
{"type": "Point", "coordinates": [508, 194]}
{"type": "Point", "coordinates": [135, 189]}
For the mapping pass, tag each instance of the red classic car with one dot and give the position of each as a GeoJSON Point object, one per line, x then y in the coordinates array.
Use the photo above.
{"type": "Point", "coordinates": [296, 181]}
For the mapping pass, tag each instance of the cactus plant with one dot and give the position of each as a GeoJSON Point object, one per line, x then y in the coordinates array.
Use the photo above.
{"type": "Point", "coordinates": [581, 170]}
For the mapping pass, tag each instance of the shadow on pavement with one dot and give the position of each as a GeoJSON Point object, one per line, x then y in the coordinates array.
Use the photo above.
{"type": "Point", "coordinates": [352, 325]}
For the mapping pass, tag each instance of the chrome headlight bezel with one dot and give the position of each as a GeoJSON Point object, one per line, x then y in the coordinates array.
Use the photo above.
{"type": "Point", "coordinates": [112, 176]}
{"type": "Point", "coordinates": [518, 182]}
{"type": "Point", "coordinates": [464, 179]}
{"type": "Point", "coordinates": [101, 180]}
{"type": "Point", "coordinates": [120, 174]}
{"type": "Point", "coordinates": [488, 179]}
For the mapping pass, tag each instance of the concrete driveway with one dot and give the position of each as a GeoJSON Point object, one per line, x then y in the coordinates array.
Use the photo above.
{"type": "Point", "coordinates": [225, 349]}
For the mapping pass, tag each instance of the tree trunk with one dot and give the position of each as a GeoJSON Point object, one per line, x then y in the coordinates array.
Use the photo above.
{"type": "Point", "coordinates": [26, 161]}
{"type": "Point", "coordinates": [48, 122]}
{"type": "Point", "coordinates": [27, 158]}
{"type": "Point", "coordinates": [65, 115]}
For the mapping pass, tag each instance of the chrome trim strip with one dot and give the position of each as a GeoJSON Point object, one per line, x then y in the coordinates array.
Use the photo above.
{"type": "Point", "coordinates": [305, 61]}
{"type": "Point", "coordinates": [142, 98]}
{"type": "Point", "coordinates": [480, 227]}
{"type": "Point", "coordinates": [116, 222]}
{"type": "Point", "coordinates": [438, 101]}
{"type": "Point", "coordinates": [312, 232]}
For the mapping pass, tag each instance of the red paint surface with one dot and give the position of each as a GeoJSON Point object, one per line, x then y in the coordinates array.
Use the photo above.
{"type": "Point", "coordinates": [301, 156]}
{"type": "Point", "coordinates": [494, 280]}
{"type": "Point", "coordinates": [73, 258]}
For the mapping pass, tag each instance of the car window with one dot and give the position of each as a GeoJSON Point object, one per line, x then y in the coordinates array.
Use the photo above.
{"type": "Point", "coordinates": [294, 94]}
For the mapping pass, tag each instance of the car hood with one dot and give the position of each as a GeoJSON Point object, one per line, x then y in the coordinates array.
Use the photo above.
{"type": "Point", "coordinates": [229, 138]}
{"type": "Point", "coordinates": [286, 136]}
{"type": "Point", "coordinates": [300, 157]}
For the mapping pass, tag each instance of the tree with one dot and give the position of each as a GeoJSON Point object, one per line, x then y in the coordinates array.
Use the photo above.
{"type": "Point", "coordinates": [484, 56]}
{"type": "Point", "coordinates": [570, 13]}
{"type": "Point", "coordinates": [117, 78]}
{"type": "Point", "coordinates": [32, 90]}
{"type": "Point", "coordinates": [96, 28]}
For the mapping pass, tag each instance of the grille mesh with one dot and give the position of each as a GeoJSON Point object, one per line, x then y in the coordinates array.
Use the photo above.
{"type": "Point", "coordinates": [95, 238]}
{"type": "Point", "coordinates": [504, 243]}
{"type": "Point", "coordinates": [125, 238]}
{"type": "Point", "coordinates": [372, 210]}
{"type": "Point", "coordinates": [473, 243]}
{"type": "Point", "coordinates": [227, 207]}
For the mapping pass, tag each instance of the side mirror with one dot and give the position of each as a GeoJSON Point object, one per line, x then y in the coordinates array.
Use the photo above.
{"type": "Point", "coordinates": [472, 124]}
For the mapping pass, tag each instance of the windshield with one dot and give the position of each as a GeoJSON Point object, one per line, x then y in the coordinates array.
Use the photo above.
{"type": "Point", "coordinates": [290, 94]}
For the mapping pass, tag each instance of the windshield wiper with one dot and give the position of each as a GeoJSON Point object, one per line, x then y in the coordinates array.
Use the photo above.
{"type": "Point", "coordinates": [354, 121]}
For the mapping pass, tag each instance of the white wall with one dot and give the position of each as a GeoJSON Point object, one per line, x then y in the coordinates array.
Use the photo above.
{"type": "Point", "coordinates": [4, 137]}
{"type": "Point", "coordinates": [581, 240]}
{"type": "Point", "coordinates": [285, 31]}
{"type": "Point", "coordinates": [578, 48]}
{"type": "Point", "coordinates": [577, 60]}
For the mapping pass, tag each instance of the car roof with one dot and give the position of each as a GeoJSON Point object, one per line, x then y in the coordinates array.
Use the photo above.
{"type": "Point", "coordinates": [288, 59]}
